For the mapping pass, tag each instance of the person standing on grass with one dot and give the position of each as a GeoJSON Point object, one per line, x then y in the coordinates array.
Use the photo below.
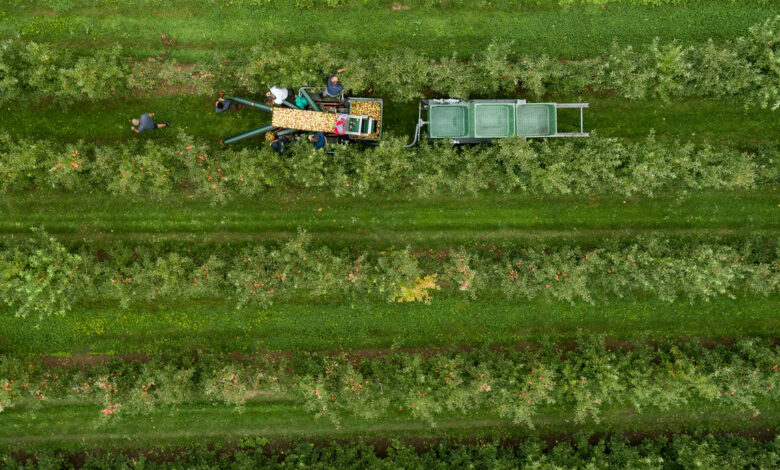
{"type": "Point", "coordinates": [333, 88]}
{"type": "Point", "coordinates": [223, 105]}
{"type": "Point", "coordinates": [146, 124]}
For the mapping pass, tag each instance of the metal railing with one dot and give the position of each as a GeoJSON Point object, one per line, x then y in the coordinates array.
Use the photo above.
{"type": "Point", "coordinates": [581, 107]}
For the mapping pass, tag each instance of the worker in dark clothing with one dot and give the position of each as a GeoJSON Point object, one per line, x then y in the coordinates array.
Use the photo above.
{"type": "Point", "coordinates": [145, 123]}
{"type": "Point", "coordinates": [318, 140]}
{"type": "Point", "coordinates": [333, 88]}
{"type": "Point", "coordinates": [223, 105]}
{"type": "Point", "coordinates": [279, 144]}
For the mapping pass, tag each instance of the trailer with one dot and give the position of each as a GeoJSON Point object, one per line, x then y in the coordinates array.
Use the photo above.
{"type": "Point", "coordinates": [340, 119]}
{"type": "Point", "coordinates": [475, 121]}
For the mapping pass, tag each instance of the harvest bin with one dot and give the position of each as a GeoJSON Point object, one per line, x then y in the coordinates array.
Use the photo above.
{"type": "Point", "coordinates": [371, 107]}
{"type": "Point", "coordinates": [484, 120]}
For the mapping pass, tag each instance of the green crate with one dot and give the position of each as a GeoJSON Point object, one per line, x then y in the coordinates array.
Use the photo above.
{"type": "Point", "coordinates": [536, 120]}
{"type": "Point", "coordinates": [448, 121]}
{"type": "Point", "coordinates": [494, 120]}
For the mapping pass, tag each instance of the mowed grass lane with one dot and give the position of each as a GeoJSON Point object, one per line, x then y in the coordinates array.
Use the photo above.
{"type": "Point", "coordinates": [348, 324]}
{"type": "Point", "coordinates": [279, 419]}
{"type": "Point", "coordinates": [196, 30]}
{"type": "Point", "coordinates": [696, 120]}
{"type": "Point", "coordinates": [385, 221]}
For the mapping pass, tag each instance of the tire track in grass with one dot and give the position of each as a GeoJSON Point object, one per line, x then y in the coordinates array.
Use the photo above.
{"type": "Point", "coordinates": [352, 221]}
{"type": "Point", "coordinates": [67, 424]}
{"type": "Point", "coordinates": [220, 327]}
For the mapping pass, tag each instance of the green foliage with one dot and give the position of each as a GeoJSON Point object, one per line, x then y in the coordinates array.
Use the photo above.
{"type": "Point", "coordinates": [515, 385]}
{"type": "Point", "coordinates": [762, 49]}
{"type": "Point", "coordinates": [45, 278]}
{"type": "Point", "coordinates": [261, 275]}
{"type": "Point", "coordinates": [396, 273]}
{"type": "Point", "coordinates": [94, 77]}
{"type": "Point", "coordinates": [40, 277]}
{"type": "Point", "coordinates": [705, 272]}
{"type": "Point", "coordinates": [226, 385]}
{"type": "Point", "coordinates": [677, 451]}
{"type": "Point", "coordinates": [31, 70]}
{"type": "Point", "coordinates": [587, 167]}
{"type": "Point", "coordinates": [27, 69]}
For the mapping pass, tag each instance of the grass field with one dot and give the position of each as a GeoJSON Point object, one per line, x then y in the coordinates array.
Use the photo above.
{"type": "Point", "coordinates": [383, 222]}
{"type": "Point", "coordinates": [216, 326]}
{"type": "Point", "coordinates": [282, 420]}
{"type": "Point", "coordinates": [97, 329]}
{"type": "Point", "coordinates": [201, 29]}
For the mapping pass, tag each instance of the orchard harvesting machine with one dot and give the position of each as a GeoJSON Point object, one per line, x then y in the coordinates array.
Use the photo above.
{"type": "Point", "coordinates": [340, 119]}
{"type": "Point", "coordinates": [461, 122]}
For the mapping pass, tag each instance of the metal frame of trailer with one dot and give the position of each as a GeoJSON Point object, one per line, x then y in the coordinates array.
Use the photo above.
{"type": "Point", "coordinates": [475, 121]}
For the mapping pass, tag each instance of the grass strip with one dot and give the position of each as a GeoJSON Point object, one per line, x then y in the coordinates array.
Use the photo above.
{"type": "Point", "coordinates": [66, 425]}
{"type": "Point", "coordinates": [194, 31]}
{"type": "Point", "coordinates": [346, 221]}
{"type": "Point", "coordinates": [218, 326]}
